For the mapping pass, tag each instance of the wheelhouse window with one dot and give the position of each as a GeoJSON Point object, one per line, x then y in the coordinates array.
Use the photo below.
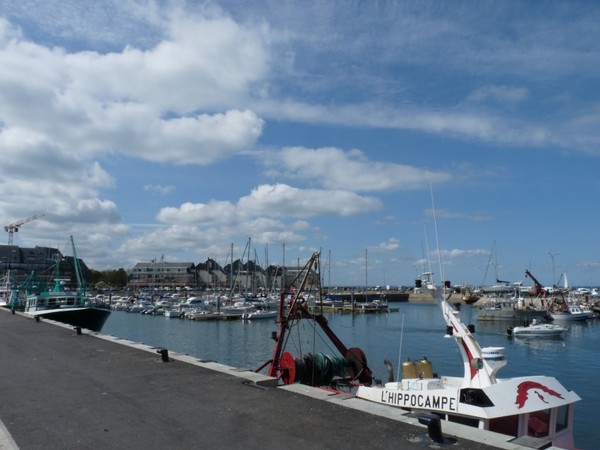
{"type": "Point", "coordinates": [562, 418]}
{"type": "Point", "coordinates": [538, 423]}
{"type": "Point", "coordinates": [506, 425]}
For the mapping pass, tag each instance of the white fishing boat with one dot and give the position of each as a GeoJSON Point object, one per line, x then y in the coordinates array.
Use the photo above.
{"type": "Point", "coordinates": [571, 313]}
{"type": "Point", "coordinates": [537, 330]}
{"type": "Point", "coordinates": [512, 309]}
{"type": "Point", "coordinates": [536, 410]}
{"type": "Point", "coordinates": [67, 306]}
{"type": "Point", "coordinates": [533, 411]}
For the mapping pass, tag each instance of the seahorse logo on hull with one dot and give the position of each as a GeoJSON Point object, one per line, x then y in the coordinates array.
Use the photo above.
{"type": "Point", "coordinates": [524, 388]}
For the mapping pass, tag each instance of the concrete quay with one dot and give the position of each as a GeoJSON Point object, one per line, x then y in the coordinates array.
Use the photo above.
{"type": "Point", "coordinates": [64, 390]}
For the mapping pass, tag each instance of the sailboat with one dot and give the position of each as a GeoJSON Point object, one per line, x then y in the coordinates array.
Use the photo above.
{"type": "Point", "coordinates": [69, 307]}
{"type": "Point", "coordinates": [500, 286]}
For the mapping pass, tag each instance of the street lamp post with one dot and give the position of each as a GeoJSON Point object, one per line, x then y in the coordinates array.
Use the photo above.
{"type": "Point", "coordinates": [552, 255]}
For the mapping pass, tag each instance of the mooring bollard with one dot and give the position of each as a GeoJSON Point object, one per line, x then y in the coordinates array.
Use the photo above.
{"type": "Point", "coordinates": [434, 426]}
{"type": "Point", "coordinates": [164, 354]}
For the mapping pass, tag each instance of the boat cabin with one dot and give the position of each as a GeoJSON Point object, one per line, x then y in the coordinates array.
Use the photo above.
{"type": "Point", "coordinates": [53, 300]}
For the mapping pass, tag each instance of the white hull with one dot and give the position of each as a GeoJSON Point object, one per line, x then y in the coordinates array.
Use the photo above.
{"type": "Point", "coordinates": [258, 315]}
{"type": "Point", "coordinates": [544, 329]}
{"type": "Point", "coordinates": [447, 395]}
{"type": "Point", "coordinates": [567, 316]}
{"type": "Point", "coordinates": [537, 408]}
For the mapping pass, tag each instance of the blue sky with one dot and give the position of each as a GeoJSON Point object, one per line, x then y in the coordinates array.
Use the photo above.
{"type": "Point", "coordinates": [151, 128]}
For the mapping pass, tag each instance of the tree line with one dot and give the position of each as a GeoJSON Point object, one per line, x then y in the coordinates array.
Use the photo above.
{"type": "Point", "coordinates": [113, 278]}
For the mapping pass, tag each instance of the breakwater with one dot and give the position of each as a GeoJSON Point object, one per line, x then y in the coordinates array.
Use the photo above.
{"type": "Point", "coordinates": [391, 296]}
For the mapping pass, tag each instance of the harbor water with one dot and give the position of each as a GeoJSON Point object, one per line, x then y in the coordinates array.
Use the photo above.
{"type": "Point", "coordinates": [415, 331]}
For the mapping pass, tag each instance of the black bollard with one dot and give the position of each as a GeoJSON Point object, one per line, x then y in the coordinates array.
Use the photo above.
{"type": "Point", "coordinates": [434, 426]}
{"type": "Point", "coordinates": [164, 353]}
{"type": "Point", "coordinates": [78, 329]}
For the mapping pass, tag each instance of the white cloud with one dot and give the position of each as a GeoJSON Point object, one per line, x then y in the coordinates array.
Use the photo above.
{"type": "Point", "coordinates": [273, 201]}
{"type": "Point", "coordinates": [155, 104]}
{"type": "Point", "coordinates": [445, 214]}
{"type": "Point", "coordinates": [269, 214]}
{"type": "Point", "coordinates": [352, 171]}
{"type": "Point", "coordinates": [390, 245]}
{"type": "Point", "coordinates": [281, 200]}
{"type": "Point", "coordinates": [88, 92]}
{"type": "Point", "coordinates": [215, 212]}
{"type": "Point", "coordinates": [62, 111]}
{"type": "Point", "coordinates": [160, 189]}
{"type": "Point", "coordinates": [457, 253]}
{"type": "Point", "coordinates": [37, 176]}
{"type": "Point", "coordinates": [501, 94]}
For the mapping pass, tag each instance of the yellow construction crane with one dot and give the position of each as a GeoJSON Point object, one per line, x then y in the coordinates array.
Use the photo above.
{"type": "Point", "coordinates": [14, 227]}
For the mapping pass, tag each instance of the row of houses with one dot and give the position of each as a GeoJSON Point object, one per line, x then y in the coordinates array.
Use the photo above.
{"type": "Point", "coordinates": [22, 262]}
{"type": "Point", "coordinates": [237, 276]}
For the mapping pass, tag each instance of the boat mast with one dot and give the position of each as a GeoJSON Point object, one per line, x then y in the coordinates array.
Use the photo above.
{"type": "Point", "coordinates": [366, 269]}
{"type": "Point", "coordinates": [81, 287]}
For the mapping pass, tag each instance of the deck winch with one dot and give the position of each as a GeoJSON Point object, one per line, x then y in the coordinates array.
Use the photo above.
{"type": "Point", "coordinates": [319, 369]}
{"type": "Point", "coordinates": [314, 369]}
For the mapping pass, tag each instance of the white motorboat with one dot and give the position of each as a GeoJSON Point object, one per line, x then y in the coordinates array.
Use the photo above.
{"type": "Point", "coordinates": [140, 306]}
{"type": "Point", "coordinates": [537, 330]}
{"type": "Point", "coordinates": [173, 313]}
{"type": "Point", "coordinates": [260, 314]}
{"type": "Point", "coordinates": [533, 409]}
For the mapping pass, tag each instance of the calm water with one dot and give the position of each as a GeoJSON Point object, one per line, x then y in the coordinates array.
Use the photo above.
{"type": "Point", "coordinates": [416, 331]}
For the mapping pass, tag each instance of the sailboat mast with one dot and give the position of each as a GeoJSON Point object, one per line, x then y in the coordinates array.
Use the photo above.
{"type": "Point", "coordinates": [366, 269]}
{"type": "Point", "coordinates": [283, 271]}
